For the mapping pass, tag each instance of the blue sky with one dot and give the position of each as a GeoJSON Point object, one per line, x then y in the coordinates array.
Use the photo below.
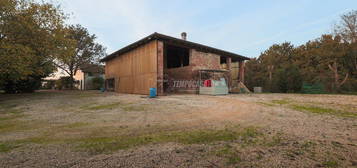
{"type": "Point", "coordinates": [244, 27]}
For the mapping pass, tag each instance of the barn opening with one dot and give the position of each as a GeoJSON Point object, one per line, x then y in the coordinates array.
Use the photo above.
{"type": "Point", "coordinates": [177, 56]}
{"type": "Point", "coordinates": [223, 60]}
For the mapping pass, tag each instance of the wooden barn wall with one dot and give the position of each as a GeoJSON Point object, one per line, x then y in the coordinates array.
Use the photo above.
{"type": "Point", "coordinates": [135, 71]}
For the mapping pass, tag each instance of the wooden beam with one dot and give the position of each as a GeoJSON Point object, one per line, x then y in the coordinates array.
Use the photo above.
{"type": "Point", "coordinates": [241, 71]}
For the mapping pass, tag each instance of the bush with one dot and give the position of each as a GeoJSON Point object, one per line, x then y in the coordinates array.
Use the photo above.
{"type": "Point", "coordinates": [64, 83]}
{"type": "Point", "coordinates": [289, 80]}
{"type": "Point", "coordinates": [98, 83]}
{"type": "Point", "coordinates": [22, 86]}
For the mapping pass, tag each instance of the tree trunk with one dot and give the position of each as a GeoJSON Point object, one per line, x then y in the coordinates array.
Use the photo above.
{"type": "Point", "coordinates": [270, 71]}
{"type": "Point", "coordinates": [337, 83]}
{"type": "Point", "coordinates": [71, 82]}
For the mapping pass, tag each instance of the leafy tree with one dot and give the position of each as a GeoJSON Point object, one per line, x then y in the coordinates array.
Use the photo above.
{"type": "Point", "coordinates": [29, 34]}
{"type": "Point", "coordinates": [329, 62]}
{"type": "Point", "coordinates": [289, 80]}
{"type": "Point", "coordinates": [332, 57]}
{"type": "Point", "coordinates": [347, 29]}
{"type": "Point", "coordinates": [254, 74]}
{"type": "Point", "coordinates": [273, 59]}
{"type": "Point", "coordinates": [81, 49]}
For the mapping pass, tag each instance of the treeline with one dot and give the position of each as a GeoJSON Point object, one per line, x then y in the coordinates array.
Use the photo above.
{"type": "Point", "coordinates": [328, 63]}
{"type": "Point", "coordinates": [35, 40]}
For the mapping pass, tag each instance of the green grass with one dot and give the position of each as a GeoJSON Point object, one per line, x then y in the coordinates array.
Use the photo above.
{"type": "Point", "coordinates": [6, 147]}
{"type": "Point", "coordinates": [330, 164]}
{"type": "Point", "coordinates": [75, 125]}
{"type": "Point", "coordinates": [134, 108]}
{"type": "Point", "coordinates": [280, 102]}
{"type": "Point", "coordinates": [229, 153]}
{"type": "Point", "coordinates": [274, 140]}
{"type": "Point", "coordinates": [106, 144]}
{"type": "Point", "coordinates": [125, 107]}
{"type": "Point", "coordinates": [321, 110]}
{"type": "Point", "coordinates": [266, 104]}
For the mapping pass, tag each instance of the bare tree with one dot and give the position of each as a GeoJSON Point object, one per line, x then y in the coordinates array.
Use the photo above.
{"type": "Point", "coordinates": [347, 28]}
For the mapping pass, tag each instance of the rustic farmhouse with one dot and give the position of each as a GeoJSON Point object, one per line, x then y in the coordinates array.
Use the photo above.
{"type": "Point", "coordinates": [158, 60]}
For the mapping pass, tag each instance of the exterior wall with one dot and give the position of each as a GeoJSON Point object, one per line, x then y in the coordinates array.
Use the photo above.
{"type": "Point", "coordinates": [198, 60]}
{"type": "Point", "coordinates": [134, 71]}
{"type": "Point", "coordinates": [79, 77]}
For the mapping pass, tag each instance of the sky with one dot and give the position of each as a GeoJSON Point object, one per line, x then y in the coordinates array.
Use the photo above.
{"type": "Point", "coordinates": [240, 26]}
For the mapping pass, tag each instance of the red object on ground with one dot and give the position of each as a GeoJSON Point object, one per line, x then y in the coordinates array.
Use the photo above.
{"type": "Point", "coordinates": [207, 83]}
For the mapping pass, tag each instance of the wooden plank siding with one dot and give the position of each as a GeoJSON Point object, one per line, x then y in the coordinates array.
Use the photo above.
{"type": "Point", "coordinates": [135, 71]}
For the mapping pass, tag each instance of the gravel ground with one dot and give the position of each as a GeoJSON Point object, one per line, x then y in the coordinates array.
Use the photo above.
{"type": "Point", "coordinates": [44, 129]}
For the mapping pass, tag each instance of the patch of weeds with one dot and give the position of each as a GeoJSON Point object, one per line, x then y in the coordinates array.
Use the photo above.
{"type": "Point", "coordinates": [203, 137]}
{"type": "Point", "coordinates": [11, 117]}
{"type": "Point", "coordinates": [85, 94]}
{"type": "Point", "coordinates": [330, 164]}
{"type": "Point", "coordinates": [266, 104]}
{"type": "Point", "coordinates": [292, 153]}
{"type": "Point", "coordinates": [280, 102]}
{"type": "Point", "coordinates": [229, 153]}
{"type": "Point", "coordinates": [249, 136]}
{"type": "Point", "coordinates": [75, 125]}
{"type": "Point", "coordinates": [7, 106]}
{"type": "Point", "coordinates": [7, 146]}
{"type": "Point", "coordinates": [308, 144]}
{"type": "Point", "coordinates": [103, 106]}
{"type": "Point", "coordinates": [321, 110]}
{"type": "Point", "coordinates": [97, 145]}
{"type": "Point", "coordinates": [274, 141]}
{"type": "Point", "coordinates": [108, 144]}
{"type": "Point", "coordinates": [134, 107]}
{"type": "Point", "coordinates": [337, 144]}
{"type": "Point", "coordinates": [11, 125]}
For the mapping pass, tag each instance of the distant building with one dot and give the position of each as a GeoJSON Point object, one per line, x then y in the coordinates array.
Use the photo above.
{"type": "Point", "coordinates": [85, 75]}
{"type": "Point", "coordinates": [83, 78]}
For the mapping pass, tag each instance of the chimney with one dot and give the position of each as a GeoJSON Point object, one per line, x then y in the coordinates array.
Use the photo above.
{"type": "Point", "coordinates": [184, 35]}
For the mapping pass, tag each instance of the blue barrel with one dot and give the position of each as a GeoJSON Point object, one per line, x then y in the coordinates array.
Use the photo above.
{"type": "Point", "coordinates": [152, 92]}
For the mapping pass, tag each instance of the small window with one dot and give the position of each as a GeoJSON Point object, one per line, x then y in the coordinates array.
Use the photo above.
{"type": "Point", "coordinates": [177, 56]}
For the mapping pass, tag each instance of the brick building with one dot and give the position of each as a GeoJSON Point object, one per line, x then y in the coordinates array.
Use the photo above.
{"type": "Point", "coordinates": [157, 60]}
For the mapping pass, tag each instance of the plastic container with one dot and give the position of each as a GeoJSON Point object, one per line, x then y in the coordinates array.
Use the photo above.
{"type": "Point", "coordinates": [152, 93]}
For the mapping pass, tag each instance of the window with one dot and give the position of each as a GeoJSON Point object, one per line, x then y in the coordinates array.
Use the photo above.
{"type": "Point", "coordinates": [110, 84]}
{"type": "Point", "coordinates": [223, 60]}
{"type": "Point", "coordinates": [177, 56]}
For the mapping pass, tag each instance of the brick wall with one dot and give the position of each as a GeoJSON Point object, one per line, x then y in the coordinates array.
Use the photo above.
{"type": "Point", "coordinates": [198, 60]}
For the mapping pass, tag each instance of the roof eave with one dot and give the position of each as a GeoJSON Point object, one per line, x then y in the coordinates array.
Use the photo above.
{"type": "Point", "coordinates": [157, 36]}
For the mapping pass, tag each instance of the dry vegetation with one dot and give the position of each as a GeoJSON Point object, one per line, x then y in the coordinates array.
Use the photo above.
{"type": "Point", "coordinates": [92, 129]}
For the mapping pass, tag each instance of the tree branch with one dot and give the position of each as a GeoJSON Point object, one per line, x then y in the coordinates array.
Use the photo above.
{"type": "Point", "coordinates": [64, 69]}
{"type": "Point", "coordinates": [344, 80]}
